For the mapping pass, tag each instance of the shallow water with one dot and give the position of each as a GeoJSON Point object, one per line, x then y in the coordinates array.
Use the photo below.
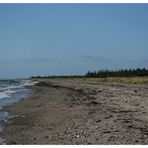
{"type": "Point", "coordinates": [11, 91]}
{"type": "Point", "coordinates": [8, 101]}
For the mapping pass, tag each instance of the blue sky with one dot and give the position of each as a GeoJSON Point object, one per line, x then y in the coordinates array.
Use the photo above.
{"type": "Point", "coordinates": [65, 39]}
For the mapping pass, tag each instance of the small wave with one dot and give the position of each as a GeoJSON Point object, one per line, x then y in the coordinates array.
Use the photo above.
{"type": "Point", "coordinates": [7, 93]}
{"type": "Point", "coordinates": [11, 87]}
{"type": "Point", "coordinates": [4, 95]}
{"type": "Point", "coordinates": [29, 83]}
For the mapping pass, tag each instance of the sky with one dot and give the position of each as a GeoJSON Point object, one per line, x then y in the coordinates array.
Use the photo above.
{"type": "Point", "coordinates": [70, 39]}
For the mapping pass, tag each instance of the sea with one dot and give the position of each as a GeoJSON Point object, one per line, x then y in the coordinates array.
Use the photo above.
{"type": "Point", "coordinates": [11, 91]}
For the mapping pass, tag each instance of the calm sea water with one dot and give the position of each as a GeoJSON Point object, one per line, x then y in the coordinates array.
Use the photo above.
{"type": "Point", "coordinates": [12, 91]}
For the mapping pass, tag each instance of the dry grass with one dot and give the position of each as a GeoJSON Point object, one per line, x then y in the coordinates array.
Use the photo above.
{"type": "Point", "coordinates": [125, 80]}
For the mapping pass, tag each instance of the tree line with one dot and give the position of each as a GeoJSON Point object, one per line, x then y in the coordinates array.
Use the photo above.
{"type": "Point", "coordinates": [104, 74]}
{"type": "Point", "coordinates": [118, 73]}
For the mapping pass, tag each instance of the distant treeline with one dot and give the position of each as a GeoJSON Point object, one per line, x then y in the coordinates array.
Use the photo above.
{"type": "Point", "coordinates": [54, 76]}
{"type": "Point", "coordinates": [105, 73]}
{"type": "Point", "coordinates": [117, 73]}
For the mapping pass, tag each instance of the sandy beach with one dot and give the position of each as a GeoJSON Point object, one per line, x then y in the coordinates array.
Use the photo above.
{"type": "Point", "coordinates": [73, 111]}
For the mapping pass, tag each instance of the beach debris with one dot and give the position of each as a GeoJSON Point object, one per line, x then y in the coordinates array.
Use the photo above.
{"type": "Point", "coordinates": [94, 103]}
{"type": "Point", "coordinates": [98, 121]}
{"type": "Point", "coordinates": [46, 137]}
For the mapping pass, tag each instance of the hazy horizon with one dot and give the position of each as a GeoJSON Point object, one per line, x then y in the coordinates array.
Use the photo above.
{"type": "Point", "coordinates": [69, 39]}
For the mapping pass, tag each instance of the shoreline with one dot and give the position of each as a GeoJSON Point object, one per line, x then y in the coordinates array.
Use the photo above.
{"type": "Point", "coordinates": [13, 98]}
{"type": "Point", "coordinates": [73, 112]}
{"type": "Point", "coordinates": [7, 116]}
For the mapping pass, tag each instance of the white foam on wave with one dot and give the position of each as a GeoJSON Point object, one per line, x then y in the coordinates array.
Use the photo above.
{"type": "Point", "coordinates": [4, 95]}
{"type": "Point", "coordinates": [30, 83]}
{"type": "Point", "coordinates": [6, 92]}
{"type": "Point", "coordinates": [11, 87]}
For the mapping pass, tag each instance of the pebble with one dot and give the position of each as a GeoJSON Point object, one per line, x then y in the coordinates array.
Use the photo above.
{"type": "Point", "coordinates": [98, 121]}
{"type": "Point", "coordinates": [136, 140]}
{"type": "Point", "coordinates": [46, 137]}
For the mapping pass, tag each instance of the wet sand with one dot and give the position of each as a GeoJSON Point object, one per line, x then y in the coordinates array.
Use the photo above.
{"type": "Point", "coordinates": [61, 111]}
